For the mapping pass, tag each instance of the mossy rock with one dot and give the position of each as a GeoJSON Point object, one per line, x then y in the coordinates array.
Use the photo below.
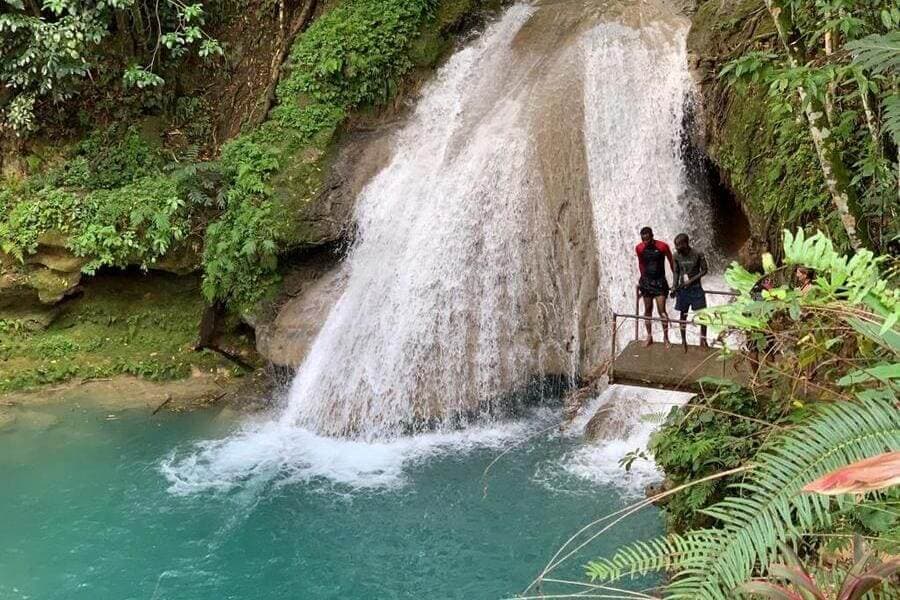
{"type": "Point", "coordinates": [52, 286]}
{"type": "Point", "coordinates": [427, 49]}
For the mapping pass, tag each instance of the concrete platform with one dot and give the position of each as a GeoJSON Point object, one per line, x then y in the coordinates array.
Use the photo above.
{"type": "Point", "coordinates": [671, 368]}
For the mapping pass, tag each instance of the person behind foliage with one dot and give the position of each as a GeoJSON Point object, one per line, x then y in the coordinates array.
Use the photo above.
{"type": "Point", "coordinates": [690, 267]}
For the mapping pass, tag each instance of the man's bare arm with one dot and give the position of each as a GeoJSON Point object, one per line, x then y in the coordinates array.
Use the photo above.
{"type": "Point", "coordinates": [704, 269]}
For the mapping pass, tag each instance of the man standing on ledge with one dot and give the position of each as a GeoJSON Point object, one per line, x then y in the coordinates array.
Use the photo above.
{"type": "Point", "coordinates": [690, 267]}
{"type": "Point", "coordinates": [653, 286]}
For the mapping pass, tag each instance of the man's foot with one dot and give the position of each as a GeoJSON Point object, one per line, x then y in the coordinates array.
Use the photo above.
{"type": "Point", "coordinates": [704, 344]}
{"type": "Point", "coordinates": [666, 343]}
{"type": "Point", "coordinates": [684, 347]}
{"type": "Point", "coordinates": [648, 341]}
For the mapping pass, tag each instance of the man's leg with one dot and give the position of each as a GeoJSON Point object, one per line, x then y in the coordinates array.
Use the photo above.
{"type": "Point", "coordinates": [661, 309]}
{"type": "Point", "coordinates": [648, 325]}
{"type": "Point", "coordinates": [702, 305]}
{"type": "Point", "coordinates": [683, 318]}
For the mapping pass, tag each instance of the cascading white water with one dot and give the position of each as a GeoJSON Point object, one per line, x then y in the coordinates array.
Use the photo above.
{"type": "Point", "coordinates": [491, 247]}
{"type": "Point", "coordinates": [637, 85]}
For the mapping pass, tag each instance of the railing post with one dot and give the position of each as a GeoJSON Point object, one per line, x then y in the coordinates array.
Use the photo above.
{"type": "Point", "coordinates": [612, 353]}
{"type": "Point", "coordinates": [637, 311]}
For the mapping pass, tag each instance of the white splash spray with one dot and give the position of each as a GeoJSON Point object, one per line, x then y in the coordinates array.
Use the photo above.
{"type": "Point", "coordinates": [625, 418]}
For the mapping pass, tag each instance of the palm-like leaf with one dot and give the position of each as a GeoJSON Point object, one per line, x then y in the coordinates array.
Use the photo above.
{"type": "Point", "coordinates": [880, 54]}
{"type": "Point", "coordinates": [711, 563]}
{"type": "Point", "coordinates": [891, 117]}
{"type": "Point", "coordinates": [877, 53]}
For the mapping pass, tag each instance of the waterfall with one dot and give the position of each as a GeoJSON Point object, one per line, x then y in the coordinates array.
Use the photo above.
{"type": "Point", "coordinates": [492, 246]}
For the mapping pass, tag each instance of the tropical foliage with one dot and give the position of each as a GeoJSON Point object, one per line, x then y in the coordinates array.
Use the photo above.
{"type": "Point", "coordinates": [861, 578]}
{"type": "Point", "coordinates": [120, 198]}
{"type": "Point", "coordinates": [49, 48]}
{"type": "Point", "coordinates": [830, 76]}
{"type": "Point", "coordinates": [827, 357]}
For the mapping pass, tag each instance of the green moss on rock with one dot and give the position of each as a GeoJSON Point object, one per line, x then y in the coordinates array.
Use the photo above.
{"type": "Point", "coordinates": [143, 325]}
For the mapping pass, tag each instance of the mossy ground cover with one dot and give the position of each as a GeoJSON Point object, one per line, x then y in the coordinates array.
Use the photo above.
{"type": "Point", "coordinates": [124, 323]}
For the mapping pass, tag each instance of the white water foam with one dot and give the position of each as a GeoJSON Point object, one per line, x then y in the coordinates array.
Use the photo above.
{"type": "Point", "coordinates": [273, 453]}
{"type": "Point", "coordinates": [634, 413]}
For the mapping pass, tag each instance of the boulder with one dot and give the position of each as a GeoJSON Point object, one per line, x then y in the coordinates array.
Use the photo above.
{"type": "Point", "coordinates": [610, 422]}
{"type": "Point", "coordinates": [44, 278]}
{"type": "Point", "coordinates": [28, 292]}
{"type": "Point", "coordinates": [286, 330]}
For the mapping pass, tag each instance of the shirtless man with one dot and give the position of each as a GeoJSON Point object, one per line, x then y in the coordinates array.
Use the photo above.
{"type": "Point", "coordinates": [653, 286]}
{"type": "Point", "coordinates": [690, 267]}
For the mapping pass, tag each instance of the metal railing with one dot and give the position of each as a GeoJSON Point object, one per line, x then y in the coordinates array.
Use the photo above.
{"type": "Point", "coordinates": [637, 317]}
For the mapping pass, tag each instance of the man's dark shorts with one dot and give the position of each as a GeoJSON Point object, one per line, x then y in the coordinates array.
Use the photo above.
{"type": "Point", "coordinates": [651, 288]}
{"type": "Point", "coordinates": [693, 298]}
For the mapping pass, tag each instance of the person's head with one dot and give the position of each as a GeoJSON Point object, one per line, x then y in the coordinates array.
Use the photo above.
{"type": "Point", "coordinates": [646, 235]}
{"type": "Point", "coordinates": [804, 275]}
{"type": "Point", "coordinates": [682, 243]}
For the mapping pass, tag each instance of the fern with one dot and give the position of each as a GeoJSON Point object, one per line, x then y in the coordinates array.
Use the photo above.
{"type": "Point", "coordinates": [710, 563]}
{"type": "Point", "coordinates": [891, 117]}
{"type": "Point", "coordinates": [877, 53]}
{"type": "Point", "coordinates": [642, 557]}
{"type": "Point", "coordinates": [880, 54]}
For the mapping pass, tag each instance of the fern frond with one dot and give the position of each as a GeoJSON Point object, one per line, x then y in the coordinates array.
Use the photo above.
{"type": "Point", "coordinates": [891, 116]}
{"type": "Point", "coordinates": [642, 557]}
{"type": "Point", "coordinates": [877, 53]}
{"type": "Point", "coordinates": [710, 563]}
{"type": "Point", "coordinates": [191, 153]}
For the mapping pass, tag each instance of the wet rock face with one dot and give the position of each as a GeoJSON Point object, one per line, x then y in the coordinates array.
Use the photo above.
{"type": "Point", "coordinates": [286, 329]}
{"type": "Point", "coordinates": [731, 128]}
{"type": "Point", "coordinates": [612, 421]}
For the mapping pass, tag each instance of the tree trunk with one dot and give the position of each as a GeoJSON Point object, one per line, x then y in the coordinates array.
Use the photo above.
{"type": "Point", "coordinates": [835, 173]}
{"type": "Point", "coordinates": [286, 34]}
{"type": "Point", "coordinates": [830, 94]}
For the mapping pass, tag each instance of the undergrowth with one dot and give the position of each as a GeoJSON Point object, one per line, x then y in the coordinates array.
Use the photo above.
{"type": "Point", "coordinates": [144, 326]}
{"type": "Point", "coordinates": [709, 436]}
{"type": "Point", "coordinates": [121, 197]}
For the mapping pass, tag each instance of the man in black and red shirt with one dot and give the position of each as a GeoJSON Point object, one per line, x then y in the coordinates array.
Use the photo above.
{"type": "Point", "coordinates": [653, 286]}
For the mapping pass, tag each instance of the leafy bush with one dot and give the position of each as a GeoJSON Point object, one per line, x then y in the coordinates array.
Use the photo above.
{"type": "Point", "coordinates": [28, 215]}
{"type": "Point", "coordinates": [840, 66]}
{"type": "Point", "coordinates": [240, 250]}
{"type": "Point", "coordinates": [48, 48]}
{"type": "Point", "coordinates": [723, 431]}
{"type": "Point", "coordinates": [838, 338]}
{"type": "Point", "coordinates": [136, 223]}
{"type": "Point", "coordinates": [354, 54]}
{"type": "Point", "coordinates": [108, 159]}
{"type": "Point", "coordinates": [119, 202]}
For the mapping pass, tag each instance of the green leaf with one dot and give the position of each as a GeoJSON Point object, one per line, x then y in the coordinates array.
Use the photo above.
{"type": "Point", "coordinates": [883, 373]}
{"type": "Point", "coordinates": [708, 564]}
{"type": "Point", "coordinates": [877, 53]}
{"type": "Point", "coordinates": [889, 339]}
